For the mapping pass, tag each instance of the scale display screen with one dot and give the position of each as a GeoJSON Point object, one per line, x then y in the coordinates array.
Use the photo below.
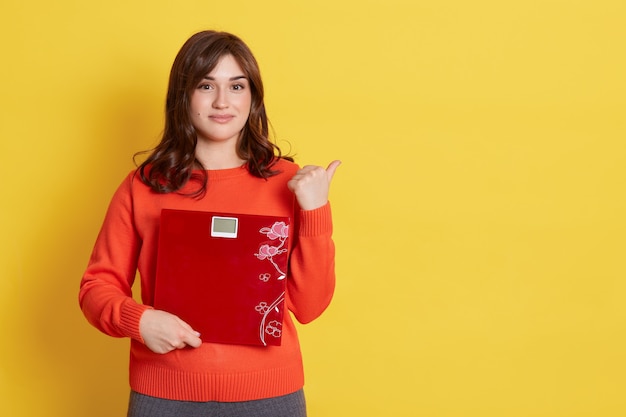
{"type": "Point", "coordinates": [224, 226]}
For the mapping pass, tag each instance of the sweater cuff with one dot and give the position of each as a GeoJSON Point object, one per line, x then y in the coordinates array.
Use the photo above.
{"type": "Point", "coordinates": [316, 222]}
{"type": "Point", "coordinates": [129, 319]}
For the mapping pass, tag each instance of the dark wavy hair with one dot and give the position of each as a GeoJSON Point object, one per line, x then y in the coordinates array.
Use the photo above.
{"type": "Point", "coordinates": [172, 163]}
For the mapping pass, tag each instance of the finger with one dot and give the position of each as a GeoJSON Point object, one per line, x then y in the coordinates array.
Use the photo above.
{"type": "Point", "coordinates": [192, 339]}
{"type": "Point", "coordinates": [180, 345]}
{"type": "Point", "coordinates": [306, 169]}
{"type": "Point", "coordinates": [332, 167]}
{"type": "Point", "coordinates": [184, 324]}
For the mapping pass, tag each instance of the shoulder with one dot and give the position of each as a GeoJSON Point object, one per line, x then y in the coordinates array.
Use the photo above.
{"type": "Point", "coordinates": [286, 167]}
{"type": "Point", "coordinates": [131, 185]}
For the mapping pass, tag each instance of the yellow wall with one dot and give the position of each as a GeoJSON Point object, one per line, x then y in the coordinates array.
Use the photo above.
{"type": "Point", "coordinates": [479, 210]}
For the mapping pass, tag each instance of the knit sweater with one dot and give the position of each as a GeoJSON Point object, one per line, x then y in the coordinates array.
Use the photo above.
{"type": "Point", "coordinates": [127, 243]}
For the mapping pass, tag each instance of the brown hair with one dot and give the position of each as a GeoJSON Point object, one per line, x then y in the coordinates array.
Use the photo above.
{"type": "Point", "coordinates": [172, 162]}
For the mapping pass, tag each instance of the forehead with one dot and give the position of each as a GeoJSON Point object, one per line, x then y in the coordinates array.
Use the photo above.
{"type": "Point", "coordinates": [227, 67]}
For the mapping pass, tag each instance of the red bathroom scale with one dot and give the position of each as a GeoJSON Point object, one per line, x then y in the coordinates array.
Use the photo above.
{"type": "Point", "coordinates": [224, 274]}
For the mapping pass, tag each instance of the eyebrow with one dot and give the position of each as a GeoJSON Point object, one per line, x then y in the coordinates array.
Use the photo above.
{"type": "Point", "coordinates": [238, 77]}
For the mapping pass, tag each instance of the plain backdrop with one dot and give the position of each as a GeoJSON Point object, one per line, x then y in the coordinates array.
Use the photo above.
{"type": "Point", "coordinates": [479, 210]}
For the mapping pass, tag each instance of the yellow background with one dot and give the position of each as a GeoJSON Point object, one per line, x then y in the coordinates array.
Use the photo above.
{"type": "Point", "coordinates": [479, 211]}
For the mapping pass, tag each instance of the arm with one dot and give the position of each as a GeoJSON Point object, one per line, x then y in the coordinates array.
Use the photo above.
{"type": "Point", "coordinates": [312, 263]}
{"type": "Point", "coordinates": [105, 294]}
{"type": "Point", "coordinates": [105, 291]}
{"type": "Point", "coordinates": [311, 280]}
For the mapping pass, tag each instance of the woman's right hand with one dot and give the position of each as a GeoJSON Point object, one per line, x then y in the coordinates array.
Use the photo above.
{"type": "Point", "coordinates": [163, 332]}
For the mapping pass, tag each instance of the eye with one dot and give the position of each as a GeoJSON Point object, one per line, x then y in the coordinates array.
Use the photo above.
{"type": "Point", "coordinates": [205, 86]}
{"type": "Point", "coordinates": [238, 87]}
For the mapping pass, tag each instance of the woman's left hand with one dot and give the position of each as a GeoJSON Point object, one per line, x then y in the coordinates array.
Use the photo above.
{"type": "Point", "coordinates": [311, 185]}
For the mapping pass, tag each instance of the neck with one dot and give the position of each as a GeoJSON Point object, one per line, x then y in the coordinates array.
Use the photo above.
{"type": "Point", "coordinates": [218, 156]}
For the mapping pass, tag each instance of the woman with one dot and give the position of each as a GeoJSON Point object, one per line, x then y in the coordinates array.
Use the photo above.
{"type": "Point", "coordinates": [215, 155]}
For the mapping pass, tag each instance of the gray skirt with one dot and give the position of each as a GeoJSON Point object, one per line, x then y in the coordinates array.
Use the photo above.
{"type": "Point", "coordinates": [291, 405]}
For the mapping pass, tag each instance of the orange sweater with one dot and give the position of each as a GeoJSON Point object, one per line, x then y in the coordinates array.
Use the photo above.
{"type": "Point", "coordinates": [127, 243]}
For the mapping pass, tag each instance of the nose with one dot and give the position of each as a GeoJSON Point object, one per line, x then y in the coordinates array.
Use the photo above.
{"type": "Point", "coordinates": [220, 101]}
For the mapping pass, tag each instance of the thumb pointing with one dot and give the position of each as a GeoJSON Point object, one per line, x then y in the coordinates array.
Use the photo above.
{"type": "Point", "coordinates": [332, 167]}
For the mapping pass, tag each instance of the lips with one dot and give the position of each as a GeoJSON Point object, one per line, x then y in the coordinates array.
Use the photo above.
{"type": "Point", "coordinates": [221, 118]}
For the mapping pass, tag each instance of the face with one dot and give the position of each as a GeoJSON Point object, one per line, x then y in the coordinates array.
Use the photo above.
{"type": "Point", "coordinates": [220, 104]}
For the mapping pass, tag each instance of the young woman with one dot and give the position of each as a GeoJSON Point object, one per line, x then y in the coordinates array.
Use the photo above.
{"type": "Point", "coordinates": [215, 155]}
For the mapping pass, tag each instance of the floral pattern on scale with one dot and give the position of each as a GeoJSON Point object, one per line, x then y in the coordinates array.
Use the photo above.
{"type": "Point", "coordinates": [278, 233]}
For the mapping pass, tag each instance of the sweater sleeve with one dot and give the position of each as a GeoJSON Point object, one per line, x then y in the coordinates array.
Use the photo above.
{"type": "Point", "coordinates": [105, 294]}
{"type": "Point", "coordinates": [311, 279]}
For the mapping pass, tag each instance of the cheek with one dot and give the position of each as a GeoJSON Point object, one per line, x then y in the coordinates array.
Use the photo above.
{"type": "Point", "coordinates": [194, 105]}
{"type": "Point", "coordinates": [247, 104]}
